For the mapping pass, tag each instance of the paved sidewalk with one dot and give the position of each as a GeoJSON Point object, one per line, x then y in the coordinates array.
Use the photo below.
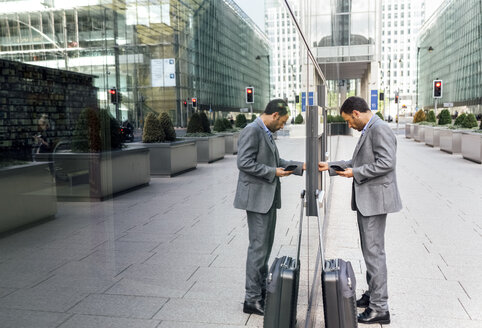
{"type": "Point", "coordinates": [172, 254]}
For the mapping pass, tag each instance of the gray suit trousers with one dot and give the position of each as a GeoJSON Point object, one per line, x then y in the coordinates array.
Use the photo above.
{"type": "Point", "coordinates": [261, 235]}
{"type": "Point", "coordinates": [372, 238]}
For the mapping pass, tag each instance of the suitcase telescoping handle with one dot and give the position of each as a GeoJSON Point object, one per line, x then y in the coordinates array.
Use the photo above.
{"type": "Point", "coordinates": [303, 192]}
{"type": "Point", "coordinates": [319, 196]}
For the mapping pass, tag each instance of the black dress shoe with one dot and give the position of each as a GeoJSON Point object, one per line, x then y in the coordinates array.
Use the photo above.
{"type": "Point", "coordinates": [371, 316]}
{"type": "Point", "coordinates": [363, 302]}
{"type": "Point", "coordinates": [253, 307]}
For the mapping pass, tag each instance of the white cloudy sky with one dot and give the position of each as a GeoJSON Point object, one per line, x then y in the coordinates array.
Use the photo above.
{"type": "Point", "coordinates": [254, 9]}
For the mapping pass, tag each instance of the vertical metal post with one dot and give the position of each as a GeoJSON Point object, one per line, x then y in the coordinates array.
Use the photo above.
{"type": "Point", "coordinates": [312, 173]}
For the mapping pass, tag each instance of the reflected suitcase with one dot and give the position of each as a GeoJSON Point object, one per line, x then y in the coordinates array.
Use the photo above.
{"type": "Point", "coordinates": [339, 297]}
{"type": "Point", "coordinates": [282, 288]}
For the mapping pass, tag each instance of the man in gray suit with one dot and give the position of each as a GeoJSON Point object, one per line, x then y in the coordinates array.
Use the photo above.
{"type": "Point", "coordinates": [259, 193]}
{"type": "Point", "coordinates": [374, 194]}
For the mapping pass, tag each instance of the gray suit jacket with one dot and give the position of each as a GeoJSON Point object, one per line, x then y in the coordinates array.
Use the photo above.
{"type": "Point", "coordinates": [375, 189]}
{"type": "Point", "coordinates": [258, 186]}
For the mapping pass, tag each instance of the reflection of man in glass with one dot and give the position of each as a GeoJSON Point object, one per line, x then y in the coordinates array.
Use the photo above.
{"type": "Point", "coordinates": [41, 138]}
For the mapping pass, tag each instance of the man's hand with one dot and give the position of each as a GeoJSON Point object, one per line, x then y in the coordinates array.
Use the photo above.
{"type": "Point", "coordinates": [348, 173]}
{"type": "Point", "coordinates": [280, 172]}
{"type": "Point", "coordinates": [323, 166]}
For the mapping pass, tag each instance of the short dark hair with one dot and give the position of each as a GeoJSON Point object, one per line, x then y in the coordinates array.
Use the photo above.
{"type": "Point", "coordinates": [354, 103]}
{"type": "Point", "coordinates": [276, 105]}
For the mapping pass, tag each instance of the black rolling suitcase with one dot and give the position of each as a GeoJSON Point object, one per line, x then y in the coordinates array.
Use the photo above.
{"type": "Point", "coordinates": [282, 288]}
{"type": "Point", "coordinates": [338, 285]}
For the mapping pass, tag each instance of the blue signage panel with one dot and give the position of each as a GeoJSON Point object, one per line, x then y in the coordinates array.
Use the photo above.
{"type": "Point", "coordinates": [303, 101]}
{"type": "Point", "coordinates": [374, 100]}
{"type": "Point", "coordinates": [310, 98]}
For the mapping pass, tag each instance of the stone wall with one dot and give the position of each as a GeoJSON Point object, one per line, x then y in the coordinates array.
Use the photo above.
{"type": "Point", "coordinates": [27, 92]}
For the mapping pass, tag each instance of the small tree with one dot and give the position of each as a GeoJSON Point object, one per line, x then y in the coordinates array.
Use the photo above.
{"type": "Point", "coordinates": [444, 117]}
{"type": "Point", "coordinates": [431, 117]}
{"type": "Point", "coordinates": [241, 121]}
{"type": "Point", "coordinates": [195, 124]}
{"type": "Point", "coordinates": [299, 119]}
{"type": "Point", "coordinates": [153, 131]}
{"type": "Point", "coordinates": [167, 126]}
{"type": "Point", "coordinates": [219, 125]}
{"type": "Point", "coordinates": [481, 124]}
{"type": "Point", "coordinates": [253, 117]}
{"type": "Point", "coordinates": [110, 133]}
{"type": "Point", "coordinates": [469, 122]}
{"type": "Point", "coordinates": [380, 115]}
{"type": "Point", "coordinates": [419, 116]}
{"type": "Point", "coordinates": [460, 119]}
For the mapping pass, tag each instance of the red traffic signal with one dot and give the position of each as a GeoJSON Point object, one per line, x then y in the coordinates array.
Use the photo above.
{"type": "Point", "coordinates": [249, 95]}
{"type": "Point", "coordinates": [396, 99]}
{"type": "Point", "coordinates": [113, 95]}
{"type": "Point", "coordinates": [194, 102]}
{"type": "Point", "coordinates": [437, 88]}
{"type": "Point", "coordinates": [185, 103]}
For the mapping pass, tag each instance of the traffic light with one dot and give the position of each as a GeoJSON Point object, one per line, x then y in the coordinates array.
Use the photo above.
{"type": "Point", "coordinates": [382, 96]}
{"type": "Point", "coordinates": [396, 99]}
{"type": "Point", "coordinates": [185, 103]}
{"type": "Point", "coordinates": [194, 102]}
{"type": "Point", "coordinates": [113, 95]}
{"type": "Point", "coordinates": [437, 88]}
{"type": "Point", "coordinates": [249, 95]}
{"type": "Point", "coordinates": [297, 99]}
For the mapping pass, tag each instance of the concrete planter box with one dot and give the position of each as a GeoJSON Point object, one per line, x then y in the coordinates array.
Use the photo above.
{"type": "Point", "coordinates": [418, 132]}
{"type": "Point", "coordinates": [98, 176]}
{"type": "Point", "coordinates": [451, 141]}
{"type": "Point", "coordinates": [432, 135]}
{"type": "Point", "coordinates": [27, 195]}
{"type": "Point", "coordinates": [408, 130]}
{"type": "Point", "coordinates": [170, 158]}
{"type": "Point", "coordinates": [209, 149]}
{"type": "Point", "coordinates": [230, 142]}
{"type": "Point", "coordinates": [472, 146]}
{"type": "Point", "coordinates": [338, 128]}
{"type": "Point", "coordinates": [297, 130]}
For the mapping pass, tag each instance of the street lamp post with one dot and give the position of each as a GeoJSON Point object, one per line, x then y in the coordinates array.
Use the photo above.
{"type": "Point", "coordinates": [430, 49]}
{"type": "Point", "coordinates": [258, 57]}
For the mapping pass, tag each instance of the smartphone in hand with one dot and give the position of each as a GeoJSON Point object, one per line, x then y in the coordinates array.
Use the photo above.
{"type": "Point", "coordinates": [337, 168]}
{"type": "Point", "coordinates": [290, 168]}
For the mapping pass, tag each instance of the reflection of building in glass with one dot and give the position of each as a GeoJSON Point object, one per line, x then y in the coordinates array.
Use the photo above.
{"type": "Point", "coordinates": [344, 36]}
{"type": "Point", "coordinates": [454, 33]}
{"type": "Point", "coordinates": [285, 51]}
{"type": "Point", "coordinates": [401, 22]}
{"type": "Point", "coordinates": [155, 53]}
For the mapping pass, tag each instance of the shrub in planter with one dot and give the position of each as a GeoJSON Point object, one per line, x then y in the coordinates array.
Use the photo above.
{"type": "Point", "coordinates": [167, 126]}
{"type": "Point", "coordinates": [86, 135]}
{"type": "Point", "coordinates": [299, 119]}
{"type": "Point", "coordinates": [219, 125]}
{"type": "Point", "coordinates": [195, 124]}
{"type": "Point", "coordinates": [380, 115]}
{"type": "Point", "coordinates": [481, 125]}
{"type": "Point", "coordinates": [460, 119]}
{"type": "Point", "coordinates": [240, 121]}
{"type": "Point", "coordinates": [205, 123]}
{"type": "Point", "coordinates": [253, 117]}
{"type": "Point", "coordinates": [153, 131]}
{"type": "Point", "coordinates": [110, 133]}
{"type": "Point", "coordinates": [444, 117]}
{"type": "Point", "coordinates": [419, 116]}
{"type": "Point", "coordinates": [227, 124]}
{"type": "Point", "coordinates": [431, 117]}
{"type": "Point", "coordinates": [469, 122]}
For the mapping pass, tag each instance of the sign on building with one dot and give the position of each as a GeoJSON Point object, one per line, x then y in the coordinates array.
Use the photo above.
{"type": "Point", "coordinates": [163, 72]}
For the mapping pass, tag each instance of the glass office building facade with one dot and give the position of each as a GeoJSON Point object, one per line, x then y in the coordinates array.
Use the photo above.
{"type": "Point", "coordinates": [157, 53]}
{"type": "Point", "coordinates": [454, 33]}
